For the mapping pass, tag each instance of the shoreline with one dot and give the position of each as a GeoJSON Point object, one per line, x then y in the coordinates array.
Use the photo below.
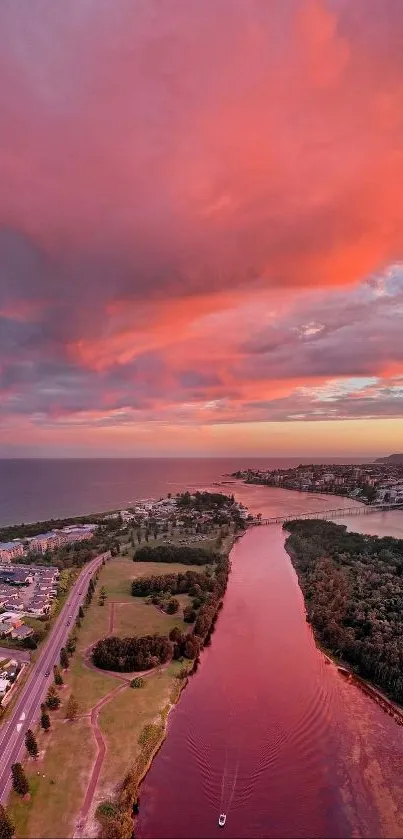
{"type": "Point", "coordinates": [365, 685]}
{"type": "Point", "coordinates": [317, 491]}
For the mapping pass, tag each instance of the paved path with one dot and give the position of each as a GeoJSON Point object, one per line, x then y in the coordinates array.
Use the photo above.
{"type": "Point", "coordinates": [101, 745]}
{"type": "Point", "coordinates": [111, 617]}
{"type": "Point", "coordinates": [26, 710]}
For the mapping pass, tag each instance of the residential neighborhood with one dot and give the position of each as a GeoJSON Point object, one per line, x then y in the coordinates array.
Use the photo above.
{"type": "Point", "coordinates": [371, 483]}
{"type": "Point", "coordinates": [10, 669]}
{"type": "Point", "coordinates": [46, 541]}
{"type": "Point", "coordinates": [25, 591]}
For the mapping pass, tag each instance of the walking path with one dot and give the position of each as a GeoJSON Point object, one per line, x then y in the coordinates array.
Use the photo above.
{"type": "Point", "coordinates": [96, 770]}
{"type": "Point", "coordinates": [111, 617]}
{"type": "Point", "coordinates": [124, 680]}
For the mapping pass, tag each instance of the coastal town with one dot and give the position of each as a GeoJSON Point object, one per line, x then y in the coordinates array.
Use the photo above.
{"type": "Point", "coordinates": [183, 511]}
{"type": "Point", "coordinates": [372, 483]}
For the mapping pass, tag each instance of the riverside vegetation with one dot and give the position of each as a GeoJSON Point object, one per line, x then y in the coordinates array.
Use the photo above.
{"type": "Point", "coordinates": [353, 589]}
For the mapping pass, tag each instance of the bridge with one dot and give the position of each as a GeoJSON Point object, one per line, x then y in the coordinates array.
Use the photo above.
{"type": "Point", "coordinates": [337, 513]}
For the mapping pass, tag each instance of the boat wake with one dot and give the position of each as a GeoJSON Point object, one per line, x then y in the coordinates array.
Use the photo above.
{"type": "Point", "coordinates": [228, 786]}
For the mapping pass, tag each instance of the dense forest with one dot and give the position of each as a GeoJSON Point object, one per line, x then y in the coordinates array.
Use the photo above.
{"type": "Point", "coordinates": [176, 553]}
{"type": "Point", "coordinates": [127, 655]}
{"type": "Point", "coordinates": [353, 589]}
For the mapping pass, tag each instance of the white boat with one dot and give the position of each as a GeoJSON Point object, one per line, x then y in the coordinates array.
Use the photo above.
{"type": "Point", "coordinates": [222, 820]}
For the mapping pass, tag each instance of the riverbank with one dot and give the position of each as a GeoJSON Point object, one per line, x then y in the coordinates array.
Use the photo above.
{"type": "Point", "coordinates": [388, 706]}
{"type": "Point", "coordinates": [120, 820]}
{"type": "Point", "coordinates": [331, 565]}
{"type": "Point", "coordinates": [108, 708]}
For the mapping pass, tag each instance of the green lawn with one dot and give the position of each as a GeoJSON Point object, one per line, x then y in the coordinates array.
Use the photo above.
{"type": "Point", "coordinates": [95, 624]}
{"type": "Point", "coordinates": [140, 618]}
{"type": "Point", "coordinates": [56, 798]}
{"type": "Point", "coordinates": [130, 711]}
{"type": "Point", "coordinates": [88, 686]}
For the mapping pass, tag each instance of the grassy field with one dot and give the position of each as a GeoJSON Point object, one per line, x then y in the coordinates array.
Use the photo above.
{"type": "Point", "coordinates": [140, 618]}
{"type": "Point", "coordinates": [66, 765]}
{"type": "Point", "coordinates": [56, 800]}
{"type": "Point", "coordinates": [130, 711]}
{"type": "Point", "coordinates": [88, 686]}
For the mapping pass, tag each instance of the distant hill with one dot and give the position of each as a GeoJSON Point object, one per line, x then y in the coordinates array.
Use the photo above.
{"type": "Point", "coordinates": [392, 458]}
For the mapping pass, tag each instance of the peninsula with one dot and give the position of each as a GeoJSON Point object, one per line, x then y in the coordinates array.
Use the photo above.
{"type": "Point", "coordinates": [372, 483]}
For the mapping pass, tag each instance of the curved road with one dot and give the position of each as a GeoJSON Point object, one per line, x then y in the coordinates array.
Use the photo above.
{"type": "Point", "coordinates": [27, 708]}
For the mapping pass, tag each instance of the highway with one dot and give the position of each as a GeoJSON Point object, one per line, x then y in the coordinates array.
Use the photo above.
{"type": "Point", "coordinates": [26, 711]}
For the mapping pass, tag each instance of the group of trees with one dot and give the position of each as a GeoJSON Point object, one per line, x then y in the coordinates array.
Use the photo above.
{"type": "Point", "coordinates": [185, 582]}
{"type": "Point", "coordinates": [184, 645]}
{"type": "Point", "coordinates": [353, 588]}
{"type": "Point", "coordinates": [184, 554]}
{"type": "Point", "coordinates": [204, 501]}
{"type": "Point", "coordinates": [222, 508]}
{"type": "Point", "coordinates": [127, 655]}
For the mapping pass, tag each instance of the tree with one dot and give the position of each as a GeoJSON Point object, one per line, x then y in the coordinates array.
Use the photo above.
{"type": "Point", "coordinates": [71, 643]}
{"type": "Point", "coordinates": [45, 721]}
{"type": "Point", "coordinates": [57, 676]}
{"type": "Point", "coordinates": [20, 783]}
{"type": "Point", "coordinates": [30, 743]}
{"type": "Point", "coordinates": [173, 606]}
{"type": "Point", "coordinates": [52, 699]}
{"type": "Point", "coordinates": [138, 682]}
{"type": "Point", "coordinates": [6, 825]}
{"type": "Point", "coordinates": [72, 708]}
{"type": "Point", "coordinates": [64, 658]}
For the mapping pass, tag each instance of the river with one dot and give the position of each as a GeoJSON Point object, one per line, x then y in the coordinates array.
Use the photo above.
{"type": "Point", "coordinates": [267, 730]}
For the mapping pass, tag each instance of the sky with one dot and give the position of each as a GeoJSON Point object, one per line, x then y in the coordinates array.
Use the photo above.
{"type": "Point", "coordinates": [201, 239]}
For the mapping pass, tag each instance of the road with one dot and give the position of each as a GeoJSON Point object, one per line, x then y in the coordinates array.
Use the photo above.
{"type": "Point", "coordinates": [27, 708]}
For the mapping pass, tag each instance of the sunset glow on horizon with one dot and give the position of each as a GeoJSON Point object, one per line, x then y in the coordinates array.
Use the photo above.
{"type": "Point", "coordinates": [201, 241]}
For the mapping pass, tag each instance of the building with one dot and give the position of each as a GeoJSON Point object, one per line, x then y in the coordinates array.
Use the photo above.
{"type": "Point", "coordinates": [6, 628]}
{"type": "Point", "coordinates": [22, 632]}
{"type": "Point", "coordinates": [16, 575]}
{"type": "Point", "coordinates": [4, 686]}
{"type": "Point", "coordinates": [44, 542]}
{"type": "Point", "coordinates": [10, 550]}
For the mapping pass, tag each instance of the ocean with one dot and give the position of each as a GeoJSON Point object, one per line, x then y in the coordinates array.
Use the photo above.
{"type": "Point", "coordinates": [36, 489]}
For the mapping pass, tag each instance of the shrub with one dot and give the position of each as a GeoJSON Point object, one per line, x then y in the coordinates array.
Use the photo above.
{"type": "Point", "coordinates": [138, 682]}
